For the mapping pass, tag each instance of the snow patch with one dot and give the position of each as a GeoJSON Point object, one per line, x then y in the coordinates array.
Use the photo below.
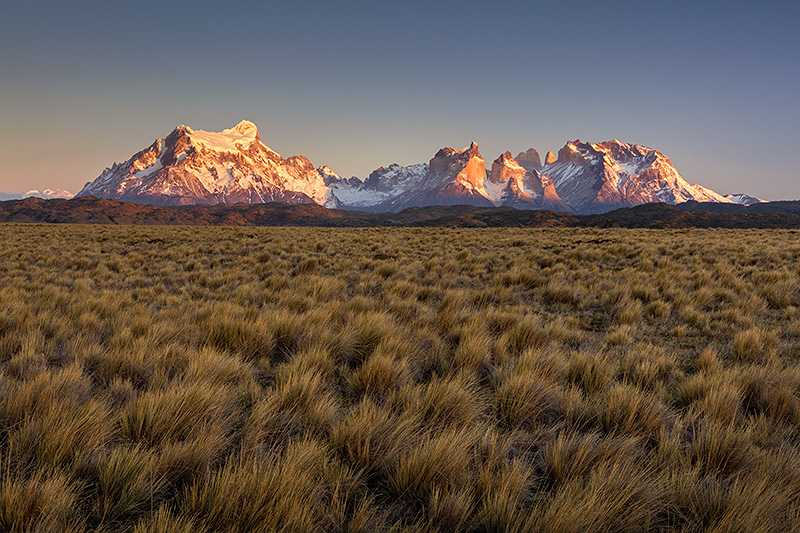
{"type": "Point", "coordinates": [155, 167]}
{"type": "Point", "coordinates": [230, 140]}
{"type": "Point", "coordinates": [493, 191]}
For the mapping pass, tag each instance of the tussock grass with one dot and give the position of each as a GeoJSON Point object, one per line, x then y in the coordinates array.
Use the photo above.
{"type": "Point", "coordinates": [242, 379]}
{"type": "Point", "coordinates": [39, 503]}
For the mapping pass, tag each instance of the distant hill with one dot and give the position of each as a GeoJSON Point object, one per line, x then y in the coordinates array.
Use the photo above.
{"type": "Point", "coordinates": [699, 215]}
{"type": "Point", "coordinates": [90, 210]}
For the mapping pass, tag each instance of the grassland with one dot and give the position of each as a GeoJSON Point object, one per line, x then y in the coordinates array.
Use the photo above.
{"type": "Point", "coordinates": [158, 379]}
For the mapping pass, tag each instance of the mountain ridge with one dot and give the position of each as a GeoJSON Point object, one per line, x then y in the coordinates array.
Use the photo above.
{"type": "Point", "coordinates": [45, 193]}
{"type": "Point", "coordinates": [191, 166]}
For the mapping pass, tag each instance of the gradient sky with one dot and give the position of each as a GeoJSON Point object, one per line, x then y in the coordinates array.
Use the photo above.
{"type": "Point", "coordinates": [356, 85]}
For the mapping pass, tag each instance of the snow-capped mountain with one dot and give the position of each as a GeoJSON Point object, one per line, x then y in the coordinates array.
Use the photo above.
{"type": "Point", "coordinates": [49, 194]}
{"type": "Point", "coordinates": [524, 187]}
{"type": "Point", "coordinates": [382, 184]}
{"type": "Point", "coordinates": [45, 194]}
{"type": "Point", "coordinates": [191, 166]}
{"type": "Point", "coordinates": [453, 176]}
{"type": "Point", "coordinates": [602, 176]}
{"type": "Point", "coordinates": [743, 199]}
{"type": "Point", "coordinates": [583, 178]}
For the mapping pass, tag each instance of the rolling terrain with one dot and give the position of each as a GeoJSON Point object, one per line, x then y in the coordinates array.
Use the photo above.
{"type": "Point", "coordinates": [89, 210]}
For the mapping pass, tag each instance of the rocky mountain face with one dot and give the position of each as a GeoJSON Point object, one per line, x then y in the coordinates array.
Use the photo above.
{"type": "Point", "coordinates": [530, 159]}
{"type": "Point", "coordinates": [598, 177]}
{"type": "Point", "coordinates": [202, 167]}
{"type": "Point", "coordinates": [234, 166]}
{"type": "Point", "coordinates": [582, 178]}
{"type": "Point", "coordinates": [455, 176]}
{"type": "Point", "coordinates": [524, 186]}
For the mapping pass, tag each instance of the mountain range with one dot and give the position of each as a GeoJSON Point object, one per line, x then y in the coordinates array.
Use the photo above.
{"type": "Point", "coordinates": [196, 167]}
{"type": "Point", "coordinates": [46, 194]}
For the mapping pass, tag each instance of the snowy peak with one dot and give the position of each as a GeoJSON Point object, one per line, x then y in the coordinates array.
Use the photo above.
{"type": "Point", "coordinates": [245, 129]}
{"type": "Point", "coordinates": [452, 176]}
{"type": "Point", "coordinates": [465, 166]}
{"type": "Point", "coordinates": [382, 185]}
{"type": "Point", "coordinates": [743, 199]}
{"type": "Point", "coordinates": [572, 151]}
{"type": "Point", "coordinates": [330, 177]}
{"type": "Point", "coordinates": [594, 177]}
{"type": "Point", "coordinates": [458, 176]}
{"type": "Point", "coordinates": [193, 166]}
{"type": "Point", "coordinates": [395, 177]}
{"type": "Point", "coordinates": [44, 194]}
{"type": "Point", "coordinates": [522, 188]}
{"type": "Point", "coordinates": [48, 194]}
{"type": "Point", "coordinates": [230, 140]}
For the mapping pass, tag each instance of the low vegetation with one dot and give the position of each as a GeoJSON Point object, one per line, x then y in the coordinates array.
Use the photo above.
{"type": "Point", "coordinates": [177, 379]}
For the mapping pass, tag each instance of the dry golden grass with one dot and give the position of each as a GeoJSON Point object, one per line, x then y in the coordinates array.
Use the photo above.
{"type": "Point", "coordinates": [176, 379]}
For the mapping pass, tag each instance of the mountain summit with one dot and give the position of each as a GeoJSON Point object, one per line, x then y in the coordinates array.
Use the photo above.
{"type": "Point", "coordinates": [583, 178]}
{"type": "Point", "coordinates": [191, 166]}
{"type": "Point", "coordinates": [231, 166]}
{"type": "Point", "coordinates": [597, 177]}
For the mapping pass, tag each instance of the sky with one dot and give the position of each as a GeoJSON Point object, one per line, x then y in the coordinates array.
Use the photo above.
{"type": "Point", "coordinates": [356, 85]}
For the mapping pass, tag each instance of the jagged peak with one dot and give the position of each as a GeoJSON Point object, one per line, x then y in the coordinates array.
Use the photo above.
{"type": "Point", "coordinates": [618, 143]}
{"type": "Point", "coordinates": [446, 151]}
{"type": "Point", "coordinates": [571, 151]}
{"type": "Point", "coordinates": [506, 159]}
{"type": "Point", "coordinates": [505, 167]}
{"type": "Point", "coordinates": [449, 151]}
{"type": "Point", "coordinates": [530, 159]}
{"type": "Point", "coordinates": [157, 145]}
{"type": "Point", "coordinates": [325, 169]}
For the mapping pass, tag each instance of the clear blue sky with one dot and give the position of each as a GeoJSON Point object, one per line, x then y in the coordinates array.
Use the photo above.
{"type": "Point", "coordinates": [358, 84]}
